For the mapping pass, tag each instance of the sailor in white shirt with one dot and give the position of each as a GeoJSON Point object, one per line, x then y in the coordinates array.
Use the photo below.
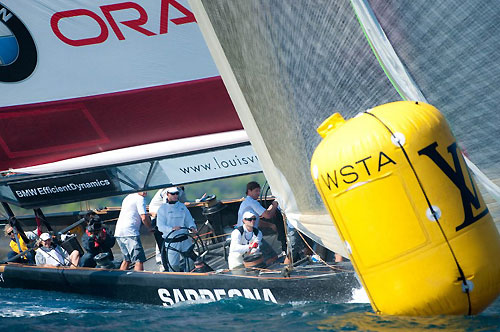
{"type": "Point", "coordinates": [132, 214]}
{"type": "Point", "coordinates": [160, 198]}
{"type": "Point", "coordinates": [49, 255]}
{"type": "Point", "coordinates": [244, 239]}
{"type": "Point", "coordinates": [169, 220]}
{"type": "Point", "coordinates": [251, 204]}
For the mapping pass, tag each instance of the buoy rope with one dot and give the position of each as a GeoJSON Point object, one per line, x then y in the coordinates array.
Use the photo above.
{"type": "Point", "coordinates": [460, 271]}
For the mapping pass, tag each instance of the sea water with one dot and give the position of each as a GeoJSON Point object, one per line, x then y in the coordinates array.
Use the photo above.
{"type": "Point", "coordinates": [33, 310]}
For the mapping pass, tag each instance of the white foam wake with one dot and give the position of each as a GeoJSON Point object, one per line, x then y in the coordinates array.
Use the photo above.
{"type": "Point", "coordinates": [359, 296]}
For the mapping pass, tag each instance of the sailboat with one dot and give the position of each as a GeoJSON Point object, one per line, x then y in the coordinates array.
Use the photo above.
{"type": "Point", "coordinates": [99, 100]}
{"type": "Point", "coordinates": [293, 64]}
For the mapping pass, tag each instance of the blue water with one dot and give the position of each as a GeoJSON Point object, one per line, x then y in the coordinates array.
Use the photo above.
{"type": "Point", "coordinates": [30, 310]}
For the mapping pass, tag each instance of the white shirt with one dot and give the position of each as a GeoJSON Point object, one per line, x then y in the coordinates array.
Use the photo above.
{"type": "Point", "coordinates": [158, 199]}
{"type": "Point", "coordinates": [129, 221]}
{"type": "Point", "coordinates": [250, 204]}
{"type": "Point", "coordinates": [52, 256]}
{"type": "Point", "coordinates": [240, 245]}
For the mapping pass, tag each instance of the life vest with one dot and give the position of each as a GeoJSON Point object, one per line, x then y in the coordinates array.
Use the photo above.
{"type": "Point", "coordinates": [235, 259]}
{"type": "Point", "coordinates": [15, 248]}
{"type": "Point", "coordinates": [96, 244]}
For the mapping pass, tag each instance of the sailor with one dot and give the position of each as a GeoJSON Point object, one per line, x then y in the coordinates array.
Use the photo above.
{"type": "Point", "coordinates": [132, 214]}
{"type": "Point", "coordinates": [30, 257]}
{"type": "Point", "coordinates": [251, 204]}
{"type": "Point", "coordinates": [160, 198]}
{"type": "Point", "coordinates": [50, 254]}
{"type": "Point", "coordinates": [245, 239]}
{"type": "Point", "coordinates": [169, 220]}
{"type": "Point", "coordinates": [96, 239]}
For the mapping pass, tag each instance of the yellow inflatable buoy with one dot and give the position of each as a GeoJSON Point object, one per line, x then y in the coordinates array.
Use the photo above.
{"type": "Point", "coordinates": [417, 229]}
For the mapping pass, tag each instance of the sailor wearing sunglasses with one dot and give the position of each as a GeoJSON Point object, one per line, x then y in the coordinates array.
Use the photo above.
{"type": "Point", "coordinates": [172, 220]}
{"type": "Point", "coordinates": [245, 239]}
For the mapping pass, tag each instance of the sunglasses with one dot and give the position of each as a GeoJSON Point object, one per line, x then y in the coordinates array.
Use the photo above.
{"type": "Point", "coordinates": [10, 233]}
{"type": "Point", "coordinates": [177, 193]}
{"type": "Point", "coordinates": [251, 219]}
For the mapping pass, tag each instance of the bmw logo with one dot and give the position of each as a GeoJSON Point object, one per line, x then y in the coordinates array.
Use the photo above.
{"type": "Point", "coordinates": [18, 56]}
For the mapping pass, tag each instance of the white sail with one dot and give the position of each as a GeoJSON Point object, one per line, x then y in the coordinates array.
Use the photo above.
{"type": "Point", "coordinates": [294, 63]}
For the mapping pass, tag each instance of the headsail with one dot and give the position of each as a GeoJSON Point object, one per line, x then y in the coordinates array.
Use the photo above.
{"type": "Point", "coordinates": [295, 63]}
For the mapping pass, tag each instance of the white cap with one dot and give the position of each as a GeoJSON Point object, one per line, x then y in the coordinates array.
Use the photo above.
{"type": "Point", "coordinates": [248, 215]}
{"type": "Point", "coordinates": [172, 190]}
{"type": "Point", "coordinates": [44, 236]}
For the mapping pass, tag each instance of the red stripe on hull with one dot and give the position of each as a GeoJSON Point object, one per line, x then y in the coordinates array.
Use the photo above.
{"type": "Point", "coordinates": [46, 132]}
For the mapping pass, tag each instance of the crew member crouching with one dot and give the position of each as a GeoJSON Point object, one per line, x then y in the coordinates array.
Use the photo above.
{"type": "Point", "coordinates": [96, 239]}
{"type": "Point", "coordinates": [53, 255]}
{"type": "Point", "coordinates": [244, 239]}
{"type": "Point", "coordinates": [30, 256]}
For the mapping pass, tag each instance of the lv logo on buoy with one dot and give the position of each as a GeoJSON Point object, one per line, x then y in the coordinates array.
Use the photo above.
{"type": "Point", "coordinates": [469, 199]}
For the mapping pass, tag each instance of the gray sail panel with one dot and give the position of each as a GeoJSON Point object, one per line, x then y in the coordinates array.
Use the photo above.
{"type": "Point", "coordinates": [451, 52]}
{"type": "Point", "coordinates": [296, 63]}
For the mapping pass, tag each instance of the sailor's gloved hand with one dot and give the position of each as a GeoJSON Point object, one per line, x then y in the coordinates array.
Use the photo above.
{"type": "Point", "coordinates": [253, 245]}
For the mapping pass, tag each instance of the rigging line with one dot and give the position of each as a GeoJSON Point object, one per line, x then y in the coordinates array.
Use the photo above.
{"type": "Point", "coordinates": [334, 268]}
{"type": "Point", "coordinates": [216, 236]}
{"type": "Point", "coordinates": [289, 248]}
{"type": "Point", "coordinates": [384, 52]}
{"type": "Point", "coordinates": [460, 271]}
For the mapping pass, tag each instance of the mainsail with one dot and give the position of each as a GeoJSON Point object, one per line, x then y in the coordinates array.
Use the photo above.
{"type": "Point", "coordinates": [291, 64]}
{"type": "Point", "coordinates": [131, 83]}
